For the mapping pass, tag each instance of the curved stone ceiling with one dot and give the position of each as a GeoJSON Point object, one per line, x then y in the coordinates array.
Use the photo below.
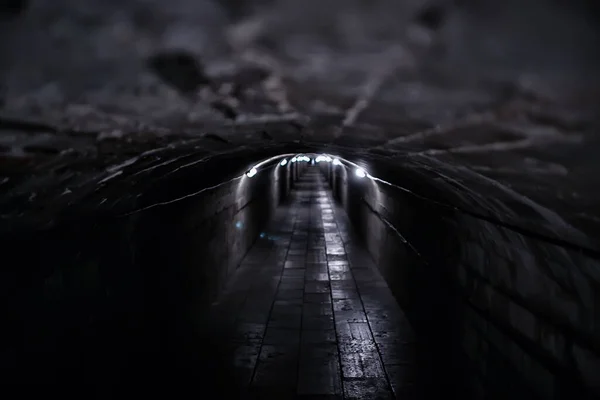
{"type": "Point", "coordinates": [493, 111]}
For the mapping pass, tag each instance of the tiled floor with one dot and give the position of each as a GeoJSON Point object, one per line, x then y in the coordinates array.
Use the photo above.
{"type": "Point", "coordinates": [307, 315]}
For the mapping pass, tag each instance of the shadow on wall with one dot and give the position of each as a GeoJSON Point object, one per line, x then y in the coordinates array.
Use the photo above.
{"type": "Point", "coordinates": [198, 247]}
{"type": "Point", "coordinates": [100, 299]}
{"type": "Point", "coordinates": [496, 313]}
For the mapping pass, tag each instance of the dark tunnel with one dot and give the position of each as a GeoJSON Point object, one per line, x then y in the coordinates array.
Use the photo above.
{"type": "Point", "coordinates": [300, 200]}
{"type": "Point", "coordinates": [337, 271]}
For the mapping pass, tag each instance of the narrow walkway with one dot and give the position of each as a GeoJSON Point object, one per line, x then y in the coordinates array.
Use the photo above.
{"type": "Point", "coordinates": [309, 313]}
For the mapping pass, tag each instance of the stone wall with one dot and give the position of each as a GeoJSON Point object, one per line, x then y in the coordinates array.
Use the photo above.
{"type": "Point", "coordinates": [219, 229]}
{"type": "Point", "coordinates": [98, 295]}
{"type": "Point", "coordinates": [517, 315]}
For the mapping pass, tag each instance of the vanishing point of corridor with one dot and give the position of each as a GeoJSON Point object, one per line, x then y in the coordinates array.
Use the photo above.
{"type": "Point", "coordinates": [307, 315]}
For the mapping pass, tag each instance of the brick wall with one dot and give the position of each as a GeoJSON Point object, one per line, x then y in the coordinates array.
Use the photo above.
{"type": "Point", "coordinates": [519, 317]}
{"type": "Point", "coordinates": [97, 294]}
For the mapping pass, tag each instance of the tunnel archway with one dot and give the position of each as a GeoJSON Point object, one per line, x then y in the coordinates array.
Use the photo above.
{"type": "Point", "coordinates": [130, 201]}
{"type": "Point", "coordinates": [169, 256]}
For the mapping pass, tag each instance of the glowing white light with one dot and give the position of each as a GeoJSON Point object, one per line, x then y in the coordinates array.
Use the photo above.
{"type": "Point", "coordinates": [283, 163]}
{"type": "Point", "coordinates": [294, 159]}
{"type": "Point", "coordinates": [323, 158]}
{"type": "Point", "coordinates": [337, 162]}
{"type": "Point", "coordinates": [252, 172]}
{"type": "Point", "coordinates": [360, 172]}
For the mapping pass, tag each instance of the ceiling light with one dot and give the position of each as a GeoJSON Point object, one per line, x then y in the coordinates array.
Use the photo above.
{"type": "Point", "coordinates": [360, 172]}
{"type": "Point", "coordinates": [252, 172]}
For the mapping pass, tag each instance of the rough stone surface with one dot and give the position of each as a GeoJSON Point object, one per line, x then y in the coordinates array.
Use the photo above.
{"type": "Point", "coordinates": [469, 108]}
{"type": "Point", "coordinates": [480, 116]}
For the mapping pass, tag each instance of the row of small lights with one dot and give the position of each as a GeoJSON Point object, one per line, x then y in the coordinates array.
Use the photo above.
{"type": "Point", "coordinates": [359, 172]}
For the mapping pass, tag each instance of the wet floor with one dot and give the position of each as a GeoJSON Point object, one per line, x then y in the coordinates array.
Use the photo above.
{"type": "Point", "coordinates": [307, 315]}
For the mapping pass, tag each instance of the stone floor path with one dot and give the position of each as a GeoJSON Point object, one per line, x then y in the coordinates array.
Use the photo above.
{"type": "Point", "coordinates": [307, 314]}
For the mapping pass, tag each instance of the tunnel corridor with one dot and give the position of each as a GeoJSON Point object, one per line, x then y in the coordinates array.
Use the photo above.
{"type": "Point", "coordinates": [275, 296]}
{"type": "Point", "coordinates": [308, 313]}
{"type": "Point", "coordinates": [291, 279]}
{"type": "Point", "coordinates": [157, 234]}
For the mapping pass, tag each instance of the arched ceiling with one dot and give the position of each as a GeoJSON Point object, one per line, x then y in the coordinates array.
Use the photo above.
{"type": "Point", "coordinates": [496, 109]}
